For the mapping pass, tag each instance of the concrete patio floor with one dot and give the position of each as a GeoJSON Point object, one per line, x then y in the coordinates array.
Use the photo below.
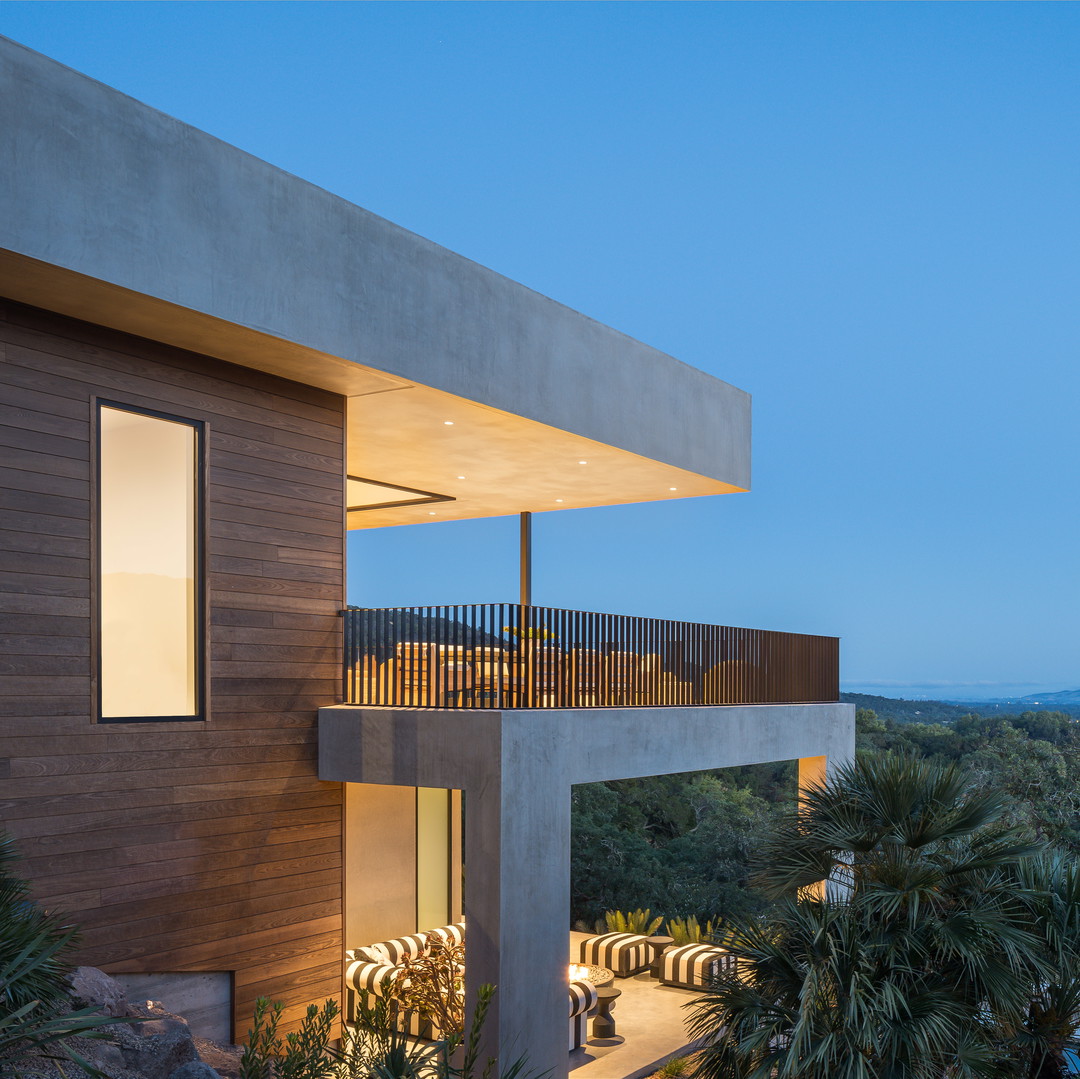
{"type": "Point", "coordinates": [650, 1029]}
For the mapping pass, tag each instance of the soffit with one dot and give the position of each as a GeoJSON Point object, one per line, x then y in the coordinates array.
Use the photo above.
{"type": "Point", "coordinates": [492, 463]}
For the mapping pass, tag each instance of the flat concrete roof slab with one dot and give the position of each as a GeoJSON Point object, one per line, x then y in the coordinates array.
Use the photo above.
{"type": "Point", "coordinates": [119, 214]}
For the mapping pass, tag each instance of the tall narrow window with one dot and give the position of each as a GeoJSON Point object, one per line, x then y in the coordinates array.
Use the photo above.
{"type": "Point", "coordinates": [149, 587]}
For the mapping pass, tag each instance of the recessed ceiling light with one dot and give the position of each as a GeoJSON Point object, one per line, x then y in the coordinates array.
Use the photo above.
{"type": "Point", "coordinates": [431, 513]}
{"type": "Point", "coordinates": [673, 488]}
{"type": "Point", "coordinates": [448, 423]}
{"type": "Point", "coordinates": [583, 462]}
{"type": "Point", "coordinates": [461, 477]}
{"type": "Point", "coordinates": [558, 499]}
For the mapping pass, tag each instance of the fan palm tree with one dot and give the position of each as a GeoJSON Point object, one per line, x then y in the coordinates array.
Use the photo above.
{"type": "Point", "coordinates": [1051, 887]}
{"type": "Point", "coordinates": [919, 963]}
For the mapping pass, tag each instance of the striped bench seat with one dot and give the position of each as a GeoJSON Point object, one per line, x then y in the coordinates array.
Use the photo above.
{"type": "Point", "coordinates": [692, 965]}
{"type": "Point", "coordinates": [622, 953]}
{"type": "Point", "coordinates": [451, 934]}
{"type": "Point", "coordinates": [582, 1001]}
{"type": "Point", "coordinates": [371, 971]}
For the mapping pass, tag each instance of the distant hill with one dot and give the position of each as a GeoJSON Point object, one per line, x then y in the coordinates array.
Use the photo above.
{"type": "Point", "coordinates": [904, 711]}
{"type": "Point", "coordinates": [1052, 700]}
{"type": "Point", "coordinates": [1044, 702]}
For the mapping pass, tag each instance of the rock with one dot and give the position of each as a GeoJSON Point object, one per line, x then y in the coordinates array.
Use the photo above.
{"type": "Point", "coordinates": [93, 988]}
{"type": "Point", "coordinates": [156, 1045]}
{"type": "Point", "coordinates": [156, 1048]}
{"type": "Point", "coordinates": [195, 1069]}
{"type": "Point", "coordinates": [224, 1059]}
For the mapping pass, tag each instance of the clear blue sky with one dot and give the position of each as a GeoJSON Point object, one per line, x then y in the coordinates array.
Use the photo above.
{"type": "Point", "coordinates": [865, 215]}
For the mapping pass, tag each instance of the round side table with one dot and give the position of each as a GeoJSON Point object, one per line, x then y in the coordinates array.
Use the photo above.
{"type": "Point", "coordinates": [657, 945]}
{"type": "Point", "coordinates": [603, 1026]}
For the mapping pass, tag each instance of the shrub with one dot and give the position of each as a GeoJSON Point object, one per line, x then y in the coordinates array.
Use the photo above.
{"type": "Point", "coordinates": [36, 1020]}
{"type": "Point", "coordinates": [633, 921]}
{"type": "Point", "coordinates": [371, 1050]}
{"type": "Point", "coordinates": [689, 930]}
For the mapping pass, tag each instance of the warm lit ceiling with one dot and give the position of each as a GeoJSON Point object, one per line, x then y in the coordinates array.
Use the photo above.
{"type": "Point", "coordinates": [490, 463]}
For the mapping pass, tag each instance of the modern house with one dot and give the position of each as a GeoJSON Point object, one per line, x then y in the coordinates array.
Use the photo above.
{"type": "Point", "coordinates": [209, 371]}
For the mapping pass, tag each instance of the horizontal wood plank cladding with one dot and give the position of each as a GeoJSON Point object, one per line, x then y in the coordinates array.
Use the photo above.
{"type": "Point", "coordinates": [178, 846]}
{"type": "Point", "coordinates": [267, 451]}
{"type": "Point", "coordinates": [108, 832]}
{"type": "Point", "coordinates": [107, 821]}
{"type": "Point", "coordinates": [249, 946]}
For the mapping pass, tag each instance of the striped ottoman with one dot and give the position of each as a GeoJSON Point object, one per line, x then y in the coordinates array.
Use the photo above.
{"type": "Point", "coordinates": [692, 965]}
{"type": "Point", "coordinates": [582, 1001]}
{"type": "Point", "coordinates": [622, 953]}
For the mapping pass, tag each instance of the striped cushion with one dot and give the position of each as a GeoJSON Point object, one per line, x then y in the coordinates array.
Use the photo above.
{"type": "Point", "coordinates": [692, 965]}
{"type": "Point", "coordinates": [452, 934]}
{"type": "Point", "coordinates": [367, 977]}
{"type": "Point", "coordinates": [582, 1001]}
{"type": "Point", "coordinates": [623, 953]}
{"type": "Point", "coordinates": [400, 947]}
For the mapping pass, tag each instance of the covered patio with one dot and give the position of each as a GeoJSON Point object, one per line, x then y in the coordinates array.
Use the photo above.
{"type": "Point", "coordinates": [516, 768]}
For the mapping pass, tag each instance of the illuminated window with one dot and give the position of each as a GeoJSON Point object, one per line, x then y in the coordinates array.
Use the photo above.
{"type": "Point", "coordinates": [149, 565]}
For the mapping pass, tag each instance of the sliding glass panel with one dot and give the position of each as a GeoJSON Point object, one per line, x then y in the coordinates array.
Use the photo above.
{"type": "Point", "coordinates": [148, 493]}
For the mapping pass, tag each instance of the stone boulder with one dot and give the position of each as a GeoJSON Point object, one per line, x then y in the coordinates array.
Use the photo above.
{"type": "Point", "coordinates": [157, 1046]}
{"type": "Point", "coordinates": [93, 988]}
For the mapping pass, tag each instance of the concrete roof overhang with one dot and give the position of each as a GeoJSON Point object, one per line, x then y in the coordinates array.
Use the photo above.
{"type": "Point", "coordinates": [123, 216]}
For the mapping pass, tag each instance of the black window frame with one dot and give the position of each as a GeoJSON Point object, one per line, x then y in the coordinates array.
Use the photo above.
{"type": "Point", "coordinates": [201, 695]}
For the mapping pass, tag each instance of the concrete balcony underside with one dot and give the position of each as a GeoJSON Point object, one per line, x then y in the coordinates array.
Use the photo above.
{"type": "Point", "coordinates": [516, 769]}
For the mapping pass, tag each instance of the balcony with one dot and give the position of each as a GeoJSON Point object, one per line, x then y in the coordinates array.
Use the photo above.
{"type": "Point", "coordinates": [504, 655]}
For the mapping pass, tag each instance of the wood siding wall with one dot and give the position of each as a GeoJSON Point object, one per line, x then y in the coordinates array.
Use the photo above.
{"type": "Point", "coordinates": [200, 846]}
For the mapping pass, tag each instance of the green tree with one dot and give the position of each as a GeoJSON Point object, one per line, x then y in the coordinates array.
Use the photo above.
{"type": "Point", "coordinates": [921, 962]}
{"type": "Point", "coordinates": [680, 845]}
{"type": "Point", "coordinates": [1050, 887]}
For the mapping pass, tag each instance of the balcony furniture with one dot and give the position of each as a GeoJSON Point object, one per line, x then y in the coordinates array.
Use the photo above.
{"type": "Point", "coordinates": [623, 953]}
{"type": "Point", "coordinates": [661, 686]}
{"type": "Point", "coordinates": [657, 946]}
{"type": "Point", "coordinates": [363, 677]}
{"type": "Point", "coordinates": [624, 678]}
{"type": "Point", "coordinates": [495, 684]}
{"type": "Point", "coordinates": [582, 998]}
{"type": "Point", "coordinates": [429, 675]}
{"type": "Point", "coordinates": [586, 677]}
{"type": "Point", "coordinates": [734, 681]}
{"type": "Point", "coordinates": [543, 675]}
{"type": "Point", "coordinates": [692, 965]}
{"type": "Point", "coordinates": [603, 1026]}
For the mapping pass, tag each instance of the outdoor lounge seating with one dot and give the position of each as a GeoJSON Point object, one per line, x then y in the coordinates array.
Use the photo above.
{"type": "Point", "coordinates": [426, 673]}
{"type": "Point", "coordinates": [692, 965]}
{"type": "Point", "coordinates": [494, 683]}
{"type": "Point", "coordinates": [583, 998]}
{"type": "Point", "coordinates": [622, 953]}
{"type": "Point", "coordinates": [371, 971]}
{"type": "Point", "coordinates": [625, 672]}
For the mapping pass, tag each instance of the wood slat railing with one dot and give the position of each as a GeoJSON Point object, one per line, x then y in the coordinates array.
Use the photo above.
{"type": "Point", "coordinates": [505, 655]}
